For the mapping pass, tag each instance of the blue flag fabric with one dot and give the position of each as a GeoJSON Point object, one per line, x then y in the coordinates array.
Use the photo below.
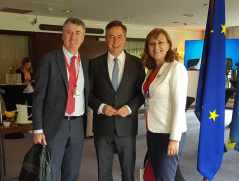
{"type": "Point", "coordinates": [233, 140]}
{"type": "Point", "coordinates": [210, 102]}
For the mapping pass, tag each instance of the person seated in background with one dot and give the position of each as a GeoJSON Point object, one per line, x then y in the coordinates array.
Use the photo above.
{"type": "Point", "coordinates": [27, 77]}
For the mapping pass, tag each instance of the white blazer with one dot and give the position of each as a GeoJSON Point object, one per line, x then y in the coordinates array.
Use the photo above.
{"type": "Point", "coordinates": [168, 93]}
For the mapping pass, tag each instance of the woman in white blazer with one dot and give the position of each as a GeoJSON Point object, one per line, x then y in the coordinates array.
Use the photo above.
{"type": "Point", "coordinates": [165, 91]}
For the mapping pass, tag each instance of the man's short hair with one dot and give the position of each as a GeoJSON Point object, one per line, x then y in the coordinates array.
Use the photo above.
{"type": "Point", "coordinates": [75, 21]}
{"type": "Point", "coordinates": [116, 23]}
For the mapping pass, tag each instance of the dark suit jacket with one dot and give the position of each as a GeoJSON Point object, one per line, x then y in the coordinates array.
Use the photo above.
{"type": "Point", "coordinates": [51, 90]}
{"type": "Point", "coordinates": [128, 93]}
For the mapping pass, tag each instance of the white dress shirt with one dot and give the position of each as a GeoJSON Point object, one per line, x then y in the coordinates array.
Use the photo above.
{"type": "Point", "coordinates": [111, 63]}
{"type": "Point", "coordinates": [79, 100]}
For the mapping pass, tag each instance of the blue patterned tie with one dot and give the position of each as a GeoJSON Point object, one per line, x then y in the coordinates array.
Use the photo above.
{"type": "Point", "coordinates": [115, 74]}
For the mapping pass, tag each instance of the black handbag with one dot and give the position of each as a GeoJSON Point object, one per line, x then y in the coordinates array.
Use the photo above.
{"type": "Point", "coordinates": [36, 164]}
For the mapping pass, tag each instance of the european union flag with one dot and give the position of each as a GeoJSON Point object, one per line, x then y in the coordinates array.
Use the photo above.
{"type": "Point", "coordinates": [233, 141]}
{"type": "Point", "coordinates": [210, 102]}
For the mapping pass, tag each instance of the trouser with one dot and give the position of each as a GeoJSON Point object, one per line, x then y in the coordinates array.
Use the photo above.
{"type": "Point", "coordinates": [164, 166]}
{"type": "Point", "coordinates": [124, 146]}
{"type": "Point", "coordinates": [66, 150]}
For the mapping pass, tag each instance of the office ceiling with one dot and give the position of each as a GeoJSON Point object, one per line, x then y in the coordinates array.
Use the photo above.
{"type": "Point", "coordinates": [156, 13]}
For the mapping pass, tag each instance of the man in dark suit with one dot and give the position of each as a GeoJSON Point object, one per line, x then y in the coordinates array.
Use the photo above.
{"type": "Point", "coordinates": [61, 100]}
{"type": "Point", "coordinates": [115, 97]}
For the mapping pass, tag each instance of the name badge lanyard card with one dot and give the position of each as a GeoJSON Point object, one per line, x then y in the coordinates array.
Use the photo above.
{"type": "Point", "coordinates": [146, 91]}
{"type": "Point", "coordinates": [76, 92]}
{"type": "Point", "coordinates": [146, 103]}
{"type": "Point", "coordinates": [147, 95]}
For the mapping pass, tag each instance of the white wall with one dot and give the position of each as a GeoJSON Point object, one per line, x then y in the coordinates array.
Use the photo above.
{"type": "Point", "coordinates": [233, 32]}
{"type": "Point", "coordinates": [11, 21]}
{"type": "Point", "coordinates": [193, 84]}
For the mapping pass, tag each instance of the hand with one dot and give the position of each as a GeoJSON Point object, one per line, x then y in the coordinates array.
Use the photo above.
{"type": "Point", "coordinates": [108, 110]}
{"type": "Point", "coordinates": [39, 138]}
{"type": "Point", "coordinates": [173, 147]}
{"type": "Point", "coordinates": [123, 111]}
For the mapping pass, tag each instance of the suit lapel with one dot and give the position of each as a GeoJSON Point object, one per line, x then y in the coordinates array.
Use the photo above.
{"type": "Point", "coordinates": [62, 66]}
{"type": "Point", "coordinates": [147, 75]}
{"type": "Point", "coordinates": [127, 69]}
{"type": "Point", "coordinates": [160, 75]}
{"type": "Point", "coordinates": [84, 67]}
{"type": "Point", "coordinates": [105, 70]}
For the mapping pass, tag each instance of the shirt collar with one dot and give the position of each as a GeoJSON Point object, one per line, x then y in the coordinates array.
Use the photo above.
{"type": "Point", "coordinates": [68, 54]}
{"type": "Point", "coordinates": [121, 57]}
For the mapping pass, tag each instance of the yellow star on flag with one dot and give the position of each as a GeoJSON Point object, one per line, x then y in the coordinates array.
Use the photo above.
{"type": "Point", "coordinates": [213, 115]}
{"type": "Point", "coordinates": [232, 145]}
{"type": "Point", "coordinates": [223, 29]}
{"type": "Point", "coordinates": [212, 31]}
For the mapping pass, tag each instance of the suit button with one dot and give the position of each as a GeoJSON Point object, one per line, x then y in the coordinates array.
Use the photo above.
{"type": "Point", "coordinates": [116, 96]}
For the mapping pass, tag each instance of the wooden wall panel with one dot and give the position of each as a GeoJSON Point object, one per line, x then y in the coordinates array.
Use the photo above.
{"type": "Point", "coordinates": [46, 42]}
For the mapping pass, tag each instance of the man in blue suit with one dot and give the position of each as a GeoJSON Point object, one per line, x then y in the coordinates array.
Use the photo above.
{"type": "Point", "coordinates": [61, 100]}
{"type": "Point", "coordinates": [115, 97]}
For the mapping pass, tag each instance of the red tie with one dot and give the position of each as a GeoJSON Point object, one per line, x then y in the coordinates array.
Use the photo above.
{"type": "Point", "coordinates": [70, 108]}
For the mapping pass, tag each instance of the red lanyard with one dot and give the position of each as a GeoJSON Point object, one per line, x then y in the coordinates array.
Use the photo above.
{"type": "Point", "coordinates": [148, 82]}
{"type": "Point", "coordinates": [68, 67]}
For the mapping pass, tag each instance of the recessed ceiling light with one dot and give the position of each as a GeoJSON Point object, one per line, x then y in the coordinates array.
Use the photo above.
{"type": "Point", "coordinates": [188, 15]}
{"type": "Point", "coordinates": [128, 17]}
{"type": "Point", "coordinates": [67, 11]}
{"type": "Point", "coordinates": [206, 4]}
{"type": "Point", "coordinates": [175, 22]}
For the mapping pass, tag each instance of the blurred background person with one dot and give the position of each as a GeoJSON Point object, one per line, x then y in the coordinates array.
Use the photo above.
{"type": "Point", "coordinates": [27, 77]}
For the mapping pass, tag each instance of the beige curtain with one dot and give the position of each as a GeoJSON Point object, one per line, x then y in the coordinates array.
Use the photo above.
{"type": "Point", "coordinates": [13, 49]}
{"type": "Point", "coordinates": [135, 48]}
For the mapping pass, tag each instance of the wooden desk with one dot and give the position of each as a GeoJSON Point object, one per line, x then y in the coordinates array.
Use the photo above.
{"type": "Point", "coordinates": [18, 128]}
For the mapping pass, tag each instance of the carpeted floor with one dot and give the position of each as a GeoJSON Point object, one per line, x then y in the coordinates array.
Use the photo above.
{"type": "Point", "coordinates": [16, 149]}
